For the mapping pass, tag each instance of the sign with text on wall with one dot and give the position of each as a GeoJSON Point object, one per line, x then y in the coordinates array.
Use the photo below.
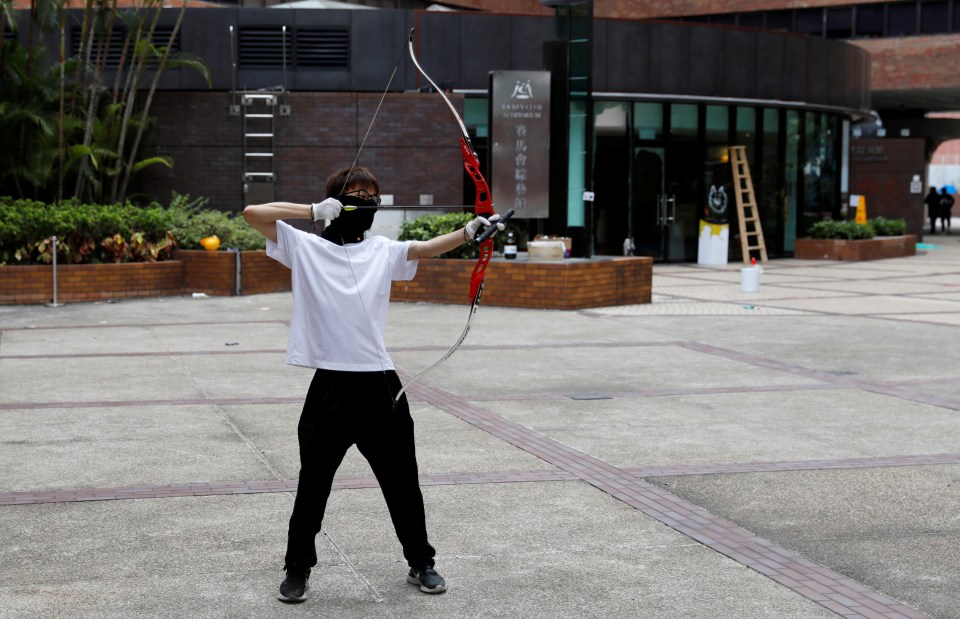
{"type": "Point", "coordinates": [520, 142]}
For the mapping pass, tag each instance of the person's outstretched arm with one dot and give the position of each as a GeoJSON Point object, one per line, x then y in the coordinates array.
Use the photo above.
{"type": "Point", "coordinates": [264, 217]}
{"type": "Point", "coordinates": [445, 242]}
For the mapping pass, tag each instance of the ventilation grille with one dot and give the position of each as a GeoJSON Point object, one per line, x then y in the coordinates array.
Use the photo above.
{"type": "Point", "coordinates": [263, 47]}
{"type": "Point", "coordinates": [161, 34]}
{"type": "Point", "coordinates": [309, 47]}
{"type": "Point", "coordinates": [323, 48]}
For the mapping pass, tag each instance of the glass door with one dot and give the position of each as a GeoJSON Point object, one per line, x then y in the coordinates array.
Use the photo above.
{"type": "Point", "coordinates": [653, 211]}
{"type": "Point", "coordinates": [684, 173]}
{"type": "Point", "coordinates": [682, 179]}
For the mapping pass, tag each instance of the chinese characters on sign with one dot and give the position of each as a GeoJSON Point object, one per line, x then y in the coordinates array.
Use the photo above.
{"type": "Point", "coordinates": [520, 132]}
{"type": "Point", "coordinates": [867, 154]}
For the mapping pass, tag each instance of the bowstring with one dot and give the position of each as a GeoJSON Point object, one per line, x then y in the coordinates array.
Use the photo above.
{"type": "Point", "coordinates": [371, 327]}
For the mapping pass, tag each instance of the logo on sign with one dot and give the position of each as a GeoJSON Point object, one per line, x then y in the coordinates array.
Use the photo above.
{"type": "Point", "coordinates": [522, 90]}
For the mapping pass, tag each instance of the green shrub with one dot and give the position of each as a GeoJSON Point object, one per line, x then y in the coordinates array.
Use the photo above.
{"type": "Point", "coordinates": [191, 222]}
{"type": "Point", "coordinates": [429, 226]}
{"type": "Point", "coordinates": [81, 230]}
{"type": "Point", "coordinates": [889, 227]}
{"type": "Point", "coordinates": [92, 233]}
{"type": "Point", "coordinates": [850, 230]}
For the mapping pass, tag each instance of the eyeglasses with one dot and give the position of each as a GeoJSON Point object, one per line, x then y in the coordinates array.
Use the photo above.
{"type": "Point", "coordinates": [362, 194]}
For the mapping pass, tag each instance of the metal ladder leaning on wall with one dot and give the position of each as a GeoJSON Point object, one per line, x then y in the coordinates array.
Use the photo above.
{"type": "Point", "coordinates": [259, 115]}
{"type": "Point", "coordinates": [747, 213]}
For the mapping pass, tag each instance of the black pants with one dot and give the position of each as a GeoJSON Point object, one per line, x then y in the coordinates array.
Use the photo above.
{"type": "Point", "coordinates": [343, 409]}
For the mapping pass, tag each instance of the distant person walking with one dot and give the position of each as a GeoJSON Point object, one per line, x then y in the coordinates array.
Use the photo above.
{"type": "Point", "coordinates": [946, 203]}
{"type": "Point", "coordinates": [932, 200]}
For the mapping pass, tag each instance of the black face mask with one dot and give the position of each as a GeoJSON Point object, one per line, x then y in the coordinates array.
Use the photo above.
{"type": "Point", "coordinates": [350, 225]}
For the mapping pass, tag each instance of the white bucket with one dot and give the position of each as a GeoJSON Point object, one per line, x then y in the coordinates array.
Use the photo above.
{"type": "Point", "coordinates": [750, 279]}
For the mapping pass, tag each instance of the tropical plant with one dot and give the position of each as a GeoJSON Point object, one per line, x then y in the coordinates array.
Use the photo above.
{"type": "Point", "coordinates": [75, 134]}
{"type": "Point", "coordinates": [29, 107]}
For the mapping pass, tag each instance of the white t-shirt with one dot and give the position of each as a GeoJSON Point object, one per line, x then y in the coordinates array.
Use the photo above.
{"type": "Point", "coordinates": [340, 303]}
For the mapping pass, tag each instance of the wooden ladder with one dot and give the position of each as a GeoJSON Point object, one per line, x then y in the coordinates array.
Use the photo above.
{"type": "Point", "coordinates": [747, 214]}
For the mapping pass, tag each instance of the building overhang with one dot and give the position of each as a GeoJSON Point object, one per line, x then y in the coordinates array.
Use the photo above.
{"type": "Point", "coordinates": [923, 99]}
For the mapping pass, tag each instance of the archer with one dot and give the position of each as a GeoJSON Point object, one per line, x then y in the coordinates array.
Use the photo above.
{"type": "Point", "coordinates": [341, 292]}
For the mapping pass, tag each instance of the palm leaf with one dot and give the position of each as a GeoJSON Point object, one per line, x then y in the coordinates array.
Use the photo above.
{"type": "Point", "coordinates": [143, 163]}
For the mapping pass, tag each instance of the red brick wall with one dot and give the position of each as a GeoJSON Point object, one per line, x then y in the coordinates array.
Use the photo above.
{"type": "Point", "coordinates": [881, 170]}
{"type": "Point", "coordinates": [261, 274]}
{"type": "Point", "coordinates": [566, 285]}
{"type": "Point", "coordinates": [215, 272]}
{"type": "Point", "coordinates": [948, 153]}
{"type": "Point", "coordinates": [913, 62]}
{"type": "Point", "coordinates": [541, 285]}
{"type": "Point", "coordinates": [411, 148]}
{"type": "Point", "coordinates": [655, 8]}
{"type": "Point", "coordinates": [867, 249]}
{"type": "Point", "coordinates": [89, 282]}
{"type": "Point", "coordinates": [211, 272]}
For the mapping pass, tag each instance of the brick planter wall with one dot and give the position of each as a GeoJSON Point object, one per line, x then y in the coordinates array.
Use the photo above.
{"type": "Point", "coordinates": [572, 284]}
{"type": "Point", "coordinates": [215, 272]}
{"type": "Point", "coordinates": [262, 274]}
{"type": "Point", "coordinates": [867, 249]}
{"type": "Point", "coordinates": [211, 272]}
{"type": "Point", "coordinates": [90, 282]}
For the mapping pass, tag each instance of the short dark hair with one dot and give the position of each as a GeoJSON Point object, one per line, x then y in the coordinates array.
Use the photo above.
{"type": "Point", "coordinates": [358, 177]}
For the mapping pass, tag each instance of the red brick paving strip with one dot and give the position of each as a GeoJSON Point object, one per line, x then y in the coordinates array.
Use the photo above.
{"type": "Point", "coordinates": [794, 465]}
{"type": "Point", "coordinates": [452, 479]}
{"type": "Point", "coordinates": [266, 486]}
{"type": "Point", "coordinates": [140, 403]}
{"type": "Point", "coordinates": [824, 586]}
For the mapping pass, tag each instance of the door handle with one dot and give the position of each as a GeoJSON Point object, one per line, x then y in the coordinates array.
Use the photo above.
{"type": "Point", "coordinates": [671, 202]}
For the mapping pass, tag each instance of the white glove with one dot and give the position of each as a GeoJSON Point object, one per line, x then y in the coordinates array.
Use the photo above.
{"type": "Point", "coordinates": [474, 226]}
{"type": "Point", "coordinates": [328, 209]}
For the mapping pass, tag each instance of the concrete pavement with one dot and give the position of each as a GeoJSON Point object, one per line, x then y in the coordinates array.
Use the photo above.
{"type": "Point", "coordinates": [791, 453]}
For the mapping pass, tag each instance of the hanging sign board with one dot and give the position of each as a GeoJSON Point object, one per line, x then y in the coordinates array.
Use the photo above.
{"type": "Point", "coordinates": [520, 142]}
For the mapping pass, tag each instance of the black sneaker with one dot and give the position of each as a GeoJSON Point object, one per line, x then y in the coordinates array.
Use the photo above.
{"type": "Point", "coordinates": [428, 579]}
{"type": "Point", "coordinates": [294, 587]}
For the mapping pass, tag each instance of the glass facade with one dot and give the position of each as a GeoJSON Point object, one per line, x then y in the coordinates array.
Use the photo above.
{"type": "Point", "coordinates": [663, 168]}
{"type": "Point", "coordinates": [660, 169]}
